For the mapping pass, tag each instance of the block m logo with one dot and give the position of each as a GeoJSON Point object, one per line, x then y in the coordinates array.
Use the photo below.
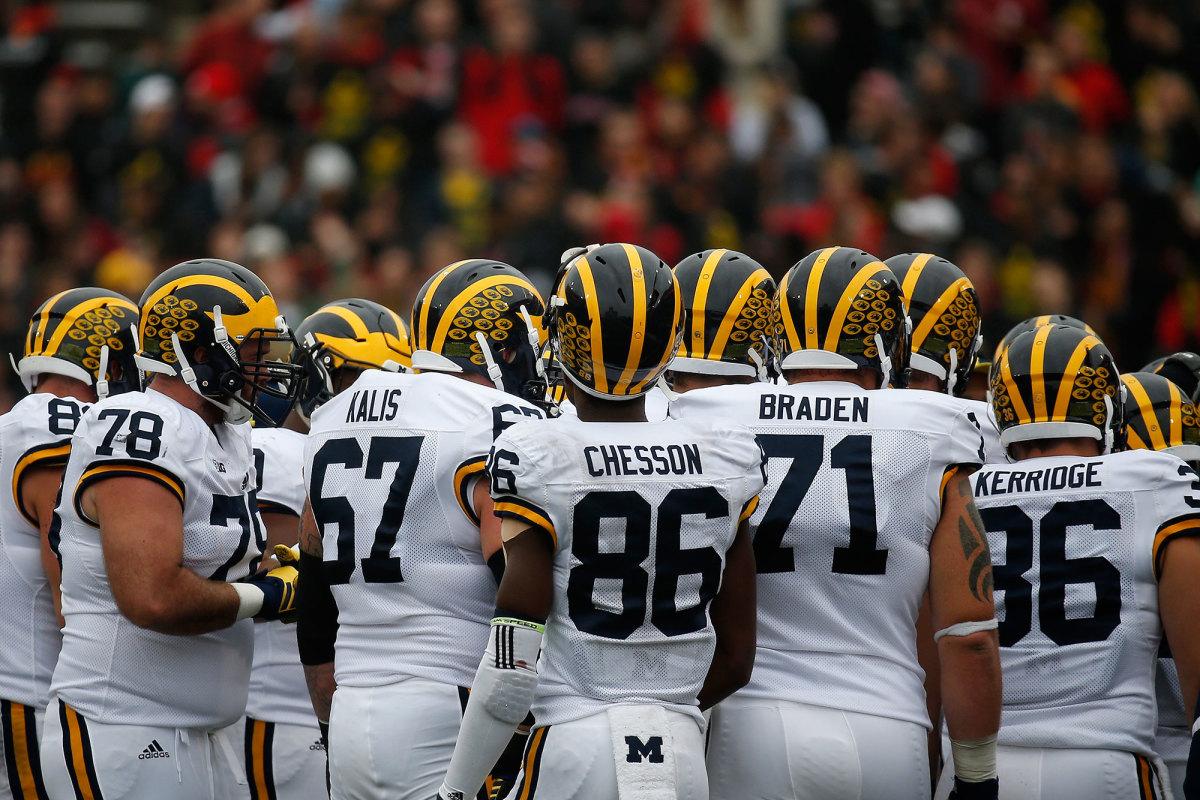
{"type": "Point", "coordinates": [649, 750]}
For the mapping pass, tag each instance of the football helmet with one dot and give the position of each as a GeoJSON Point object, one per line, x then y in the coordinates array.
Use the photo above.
{"type": "Point", "coordinates": [730, 301]}
{"type": "Point", "coordinates": [483, 317]}
{"type": "Point", "coordinates": [842, 308]}
{"type": "Point", "coordinates": [1183, 369]}
{"type": "Point", "coordinates": [1056, 382]}
{"type": "Point", "coordinates": [616, 321]}
{"type": "Point", "coordinates": [215, 325]}
{"type": "Point", "coordinates": [1159, 416]}
{"type": "Point", "coordinates": [88, 334]}
{"type": "Point", "coordinates": [944, 310]}
{"type": "Point", "coordinates": [349, 334]}
{"type": "Point", "coordinates": [1033, 323]}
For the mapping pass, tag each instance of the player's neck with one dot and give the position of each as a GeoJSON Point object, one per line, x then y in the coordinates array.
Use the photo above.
{"type": "Point", "coordinates": [923, 380]}
{"type": "Point", "coordinates": [594, 409]}
{"type": "Point", "coordinates": [62, 386]}
{"type": "Point", "coordinates": [686, 381]}
{"type": "Point", "coordinates": [181, 393]}
{"type": "Point", "coordinates": [1080, 447]}
{"type": "Point", "coordinates": [859, 377]}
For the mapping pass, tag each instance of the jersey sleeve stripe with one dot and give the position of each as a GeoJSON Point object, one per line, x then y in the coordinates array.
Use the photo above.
{"type": "Point", "coordinates": [947, 476]}
{"type": "Point", "coordinates": [1187, 525]}
{"type": "Point", "coordinates": [271, 507]}
{"type": "Point", "coordinates": [125, 469]}
{"type": "Point", "coordinates": [516, 508]}
{"type": "Point", "coordinates": [748, 509]}
{"type": "Point", "coordinates": [54, 454]}
{"type": "Point", "coordinates": [463, 476]}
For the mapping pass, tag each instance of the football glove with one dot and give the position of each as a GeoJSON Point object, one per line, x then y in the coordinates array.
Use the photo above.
{"type": "Point", "coordinates": [287, 556]}
{"type": "Point", "coordinates": [984, 790]}
{"type": "Point", "coordinates": [279, 592]}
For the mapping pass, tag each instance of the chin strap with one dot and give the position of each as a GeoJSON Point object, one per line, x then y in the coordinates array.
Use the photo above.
{"type": "Point", "coordinates": [885, 363]}
{"type": "Point", "coordinates": [493, 368]}
{"type": "Point", "coordinates": [760, 366]}
{"type": "Point", "coordinates": [235, 413]}
{"type": "Point", "coordinates": [102, 374]}
{"type": "Point", "coordinates": [1108, 428]}
{"type": "Point", "coordinates": [952, 374]}
{"type": "Point", "coordinates": [17, 371]}
{"type": "Point", "coordinates": [534, 343]}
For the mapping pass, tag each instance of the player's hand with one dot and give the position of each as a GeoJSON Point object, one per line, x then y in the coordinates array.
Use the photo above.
{"type": "Point", "coordinates": [984, 790]}
{"type": "Point", "coordinates": [279, 593]}
{"type": "Point", "coordinates": [287, 556]}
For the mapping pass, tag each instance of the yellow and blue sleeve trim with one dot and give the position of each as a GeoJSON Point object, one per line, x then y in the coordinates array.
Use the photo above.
{"type": "Point", "coordinates": [54, 454]}
{"type": "Point", "coordinates": [1185, 525]}
{"type": "Point", "coordinates": [464, 476]}
{"type": "Point", "coordinates": [748, 509]}
{"type": "Point", "coordinates": [516, 508]}
{"type": "Point", "coordinates": [125, 469]}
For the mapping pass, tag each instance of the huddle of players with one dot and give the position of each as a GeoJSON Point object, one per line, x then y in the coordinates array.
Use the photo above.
{"type": "Point", "coordinates": [611, 571]}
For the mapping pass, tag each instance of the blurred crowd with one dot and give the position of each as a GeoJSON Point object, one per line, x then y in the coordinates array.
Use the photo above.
{"type": "Point", "coordinates": [352, 147]}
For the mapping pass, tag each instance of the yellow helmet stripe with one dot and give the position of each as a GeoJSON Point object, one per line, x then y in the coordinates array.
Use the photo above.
{"type": "Point", "coordinates": [584, 268]}
{"type": "Point", "coordinates": [192, 280]}
{"type": "Point", "coordinates": [353, 320]}
{"type": "Point", "coordinates": [1013, 393]}
{"type": "Point", "coordinates": [860, 279]}
{"type": "Point", "coordinates": [811, 291]}
{"type": "Point", "coordinates": [463, 297]}
{"type": "Point", "coordinates": [913, 276]}
{"type": "Point", "coordinates": [1135, 442]}
{"type": "Point", "coordinates": [785, 312]}
{"type": "Point", "coordinates": [1146, 408]}
{"type": "Point", "coordinates": [78, 311]}
{"type": "Point", "coordinates": [640, 385]}
{"type": "Point", "coordinates": [936, 310]}
{"type": "Point", "coordinates": [1176, 409]}
{"type": "Point", "coordinates": [423, 332]}
{"type": "Point", "coordinates": [44, 321]}
{"type": "Point", "coordinates": [639, 318]}
{"type": "Point", "coordinates": [731, 316]}
{"type": "Point", "coordinates": [1037, 373]}
{"type": "Point", "coordinates": [703, 283]}
{"type": "Point", "coordinates": [1073, 364]}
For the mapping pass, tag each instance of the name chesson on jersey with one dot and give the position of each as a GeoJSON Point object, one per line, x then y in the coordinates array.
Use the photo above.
{"type": "Point", "coordinates": [110, 669]}
{"type": "Point", "coordinates": [35, 433]}
{"type": "Point", "coordinates": [642, 516]}
{"type": "Point", "coordinates": [412, 600]}
{"type": "Point", "coordinates": [278, 691]}
{"type": "Point", "coordinates": [1077, 546]}
{"type": "Point", "coordinates": [842, 571]}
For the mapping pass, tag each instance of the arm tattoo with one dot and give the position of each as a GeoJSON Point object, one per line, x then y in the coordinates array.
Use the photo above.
{"type": "Point", "coordinates": [975, 547]}
{"type": "Point", "coordinates": [310, 534]}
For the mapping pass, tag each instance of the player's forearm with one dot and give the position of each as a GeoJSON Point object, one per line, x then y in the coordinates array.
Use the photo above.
{"type": "Point", "coordinates": [179, 602]}
{"type": "Point", "coordinates": [971, 684]}
{"type": "Point", "coordinates": [727, 674]}
{"type": "Point", "coordinates": [321, 686]}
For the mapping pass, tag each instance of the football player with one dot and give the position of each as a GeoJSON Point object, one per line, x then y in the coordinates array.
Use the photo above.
{"type": "Point", "coordinates": [1032, 324]}
{"type": "Point", "coordinates": [158, 524]}
{"type": "Point", "coordinates": [1182, 369]}
{"type": "Point", "coordinates": [1159, 416]}
{"type": "Point", "coordinates": [1091, 549]}
{"type": "Point", "coordinates": [943, 310]}
{"type": "Point", "coordinates": [284, 746]}
{"type": "Point", "coordinates": [627, 548]}
{"type": "Point", "coordinates": [867, 508]}
{"type": "Point", "coordinates": [730, 300]}
{"type": "Point", "coordinates": [79, 348]}
{"type": "Point", "coordinates": [402, 531]}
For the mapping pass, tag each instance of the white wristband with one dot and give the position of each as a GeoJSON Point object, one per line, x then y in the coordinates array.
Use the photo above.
{"type": "Point", "coordinates": [974, 759]}
{"type": "Point", "coordinates": [250, 599]}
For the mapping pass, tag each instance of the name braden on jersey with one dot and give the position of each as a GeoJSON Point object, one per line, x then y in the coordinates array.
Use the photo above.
{"type": "Point", "coordinates": [1002, 481]}
{"type": "Point", "coordinates": [655, 459]}
{"type": "Point", "coordinates": [810, 409]}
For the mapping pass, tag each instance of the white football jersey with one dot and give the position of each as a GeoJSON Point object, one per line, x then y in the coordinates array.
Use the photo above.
{"type": "Point", "coordinates": [981, 413]}
{"type": "Point", "coordinates": [35, 433]}
{"type": "Point", "coordinates": [643, 515]}
{"type": "Point", "coordinates": [278, 691]}
{"type": "Point", "coordinates": [1076, 543]}
{"type": "Point", "coordinates": [391, 463]}
{"type": "Point", "coordinates": [110, 670]}
{"type": "Point", "coordinates": [1173, 737]}
{"type": "Point", "coordinates": [841, 537]}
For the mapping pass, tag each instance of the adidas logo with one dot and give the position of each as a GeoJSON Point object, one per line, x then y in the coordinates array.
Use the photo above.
{"type": "Point", "coordinates": [317, 746]}
{"type": "Point", "coordinates": [154, 750]}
